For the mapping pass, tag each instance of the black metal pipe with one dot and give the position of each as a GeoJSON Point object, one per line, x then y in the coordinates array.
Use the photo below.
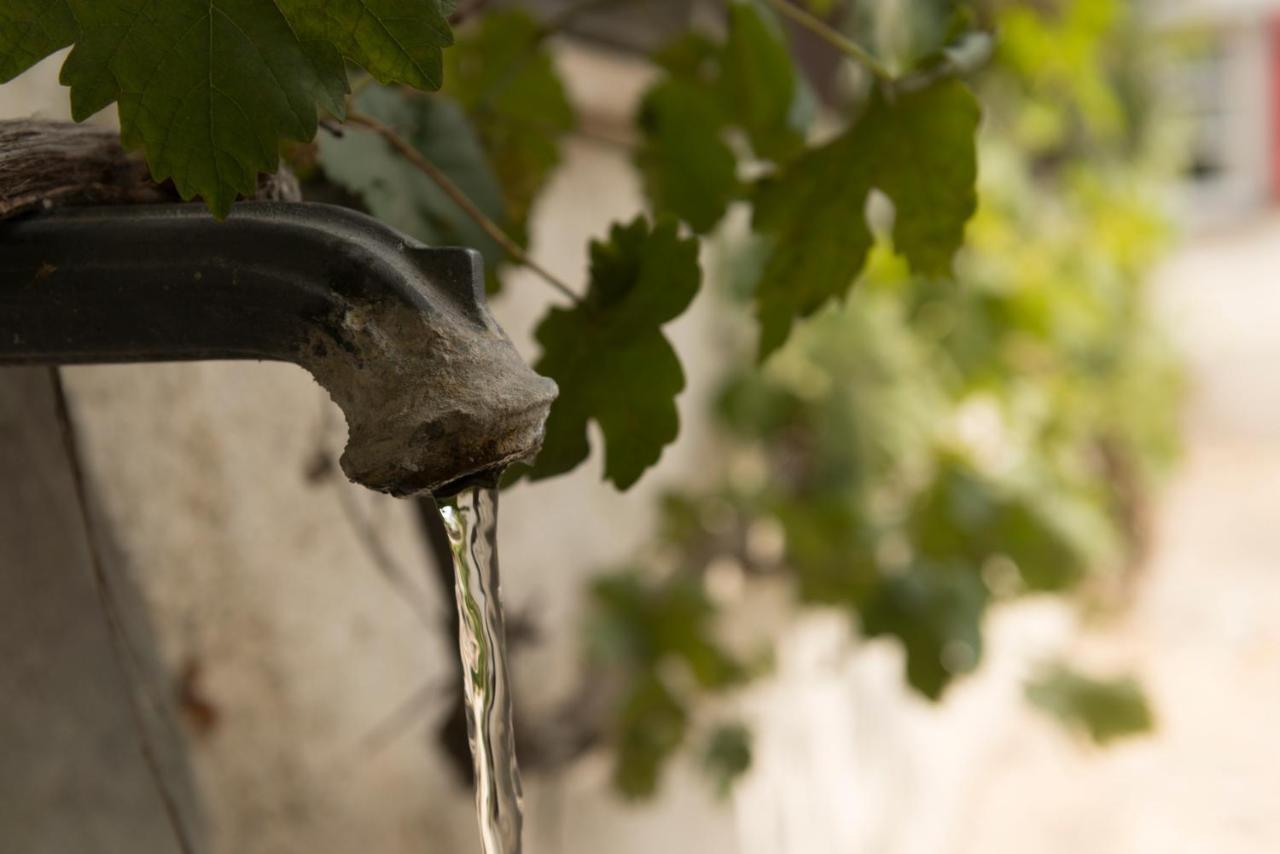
{"type": "Point", "coordinates": [397, 332]}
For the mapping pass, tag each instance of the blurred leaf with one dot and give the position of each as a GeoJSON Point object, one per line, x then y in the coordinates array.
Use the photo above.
{"type": "Point", "coordinates": [760, 81]}
{"type": "Point", "coordinates": [640, 627]}
{"type": "Point", "coordinates": [727, 756]}
{"type": "Point", "coordinates": [1104, 710]}
{"type": "Point", "coordinates": [505, 78]}
{"type": "Point", "coordinates": [689, 170]}
{"type": "Point", "coordinates": [609, 355]}
{"type": "Point", "coordinates": [750, 83]}
{"type": "Point", "coordinates": [396, 192]}
{"type": "Point", "coordinates": [936, 612]}
{"type": "Point", "coordinates": [397, 41]}
{"type": "Point", "coordinates": [962, 516]}
{"type": "Point", "coordinates": [918, 150]}
{"type": "Point", "coordinates": [30, 30]}
{"type": "Point", "coordinates": [827, 550]}
{"type": "Point", "coordinates": [651, 729]}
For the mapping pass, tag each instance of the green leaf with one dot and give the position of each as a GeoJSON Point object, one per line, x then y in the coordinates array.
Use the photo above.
{"type": "Point", "coordinates": [1104, 710]}
{"type": "Point", "coordinates": [749, 83]}
{"type": "Point", "coordinates": [393, 190]}
{"type": "Point", "coordinates": [651, 728]}
{"type": "Point", "coordinates": [397, 41]}
{"type": "Point", "coordinates": [689, 170]}
{"type": "Point", "coordinates": [936, 612]}
{"type": "Point", "coordinates": [727, 756]}
{"type": "Point", "coordinates": [918, 150]}
{"type": "Point", "coordinates": [760, 81]}
{"type": "Point", "coordinates": [504, 76]}
{"type": "Point", "coordinates": [208, 91]}
{"type": "Point", "coordinates": [609, 355]}
{"type": "Point", "coordinates": [30, 30]}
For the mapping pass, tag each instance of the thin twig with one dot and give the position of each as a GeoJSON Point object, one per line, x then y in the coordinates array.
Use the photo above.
{"type": "Point", "coordinates": [119, 639]}
{"type": "Point", "coordinates": [491, 228]}
{"type": "Point", "coordinates": [832, 36]}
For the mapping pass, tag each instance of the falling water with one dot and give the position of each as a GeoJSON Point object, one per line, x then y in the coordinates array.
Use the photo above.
{"type": "Point", "coordinates": [471, 519]}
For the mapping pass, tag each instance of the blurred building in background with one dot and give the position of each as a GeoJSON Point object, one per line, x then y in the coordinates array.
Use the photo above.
{"type": "Point", "coordinates": [1227, 78]}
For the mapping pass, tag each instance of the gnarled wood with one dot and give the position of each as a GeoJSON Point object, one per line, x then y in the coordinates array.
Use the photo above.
{"type": "Point", "coordinates": [46, 164]}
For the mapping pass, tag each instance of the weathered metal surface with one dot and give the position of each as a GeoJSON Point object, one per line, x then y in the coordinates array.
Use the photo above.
{"type": "Point", "coordinates": [398, 333]}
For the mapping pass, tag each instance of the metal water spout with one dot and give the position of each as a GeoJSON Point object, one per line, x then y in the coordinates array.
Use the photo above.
{"type": "Point", "coordinates": [433, 391]}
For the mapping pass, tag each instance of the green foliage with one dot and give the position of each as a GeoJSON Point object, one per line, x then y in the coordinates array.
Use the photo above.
{"type": "Point", "coordinates": [1102, 710]}
{"type": "Point", "coordinates": [30, 30]}
{"type": "Point", "coordinates": [642, 632]}
{"type": "Point", "coordinates": [727, 756]}
{"type": "Point", "coordinates": [209, 91]}
{"type": "Point", "coordinates": [747, 84]}
{"type": "Point", "coordinates": [918, 150]}
{"type": "Point", "coordinates": [608, 353]}
{"type": "Point", "coordinates": [651, 728]}
{"type": "Point", "coordinates": [689, 169]}
{"type": "Point", "coordinates": [760, 82]}
{"type": "Point", "coordinates": [935, 447]}
{"type": "Point", "coordinates": [641, 628]}
{"type": "Point", "coordinates": [393, 190]}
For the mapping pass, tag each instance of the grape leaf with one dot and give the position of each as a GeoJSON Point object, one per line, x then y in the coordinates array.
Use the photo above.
{"type": "Point", "coordinates": [689, 170]}
{"type": "Point", "coordinates": [609, 355]}
{"type": "Point", "coordinates": [748, 83]}
{"type": "Point", "coordinates": [397, 41]}
{"type": "Point", "coordinates": [918, 149]}
{"type": "Point", "coordinates": [30, 30]}
{"type": "Point", "coordinates": [760, 81]}
{"type": "Point", "coordinates": [393, 189]}
{"type": "Point", "coordinates": [209, 89]}
{"type": "Point", "coordinates": [504, 77]}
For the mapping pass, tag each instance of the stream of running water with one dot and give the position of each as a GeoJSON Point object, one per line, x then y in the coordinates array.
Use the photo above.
{"type": "Point", "coordinates": [471, 518]}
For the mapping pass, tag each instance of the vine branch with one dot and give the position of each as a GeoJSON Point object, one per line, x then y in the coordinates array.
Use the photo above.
{"type": "Point", "coordinates": [832, 36]}
{"type": "Point", "coordinates": [454, 192]}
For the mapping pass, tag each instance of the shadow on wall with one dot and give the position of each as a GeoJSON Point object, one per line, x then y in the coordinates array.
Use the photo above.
{"type": "Point", "coordinates": [72, 777]}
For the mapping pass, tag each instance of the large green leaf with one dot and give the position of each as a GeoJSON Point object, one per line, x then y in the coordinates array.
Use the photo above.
{"type": "Point", "coordinates": [209, 88]}
{"type": "Point", "coordinates": [397, 41]}
{"type": "Point", "coordinates": [609, 355]}
{"type": "Point", "coordinates": [918, 149]}
{"type": "Point", "coordinates": [504, 76]}
{"type": "Point", "coordinates": [396, 192]}
{"type": "Point", "coordinates": [30, 30]}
